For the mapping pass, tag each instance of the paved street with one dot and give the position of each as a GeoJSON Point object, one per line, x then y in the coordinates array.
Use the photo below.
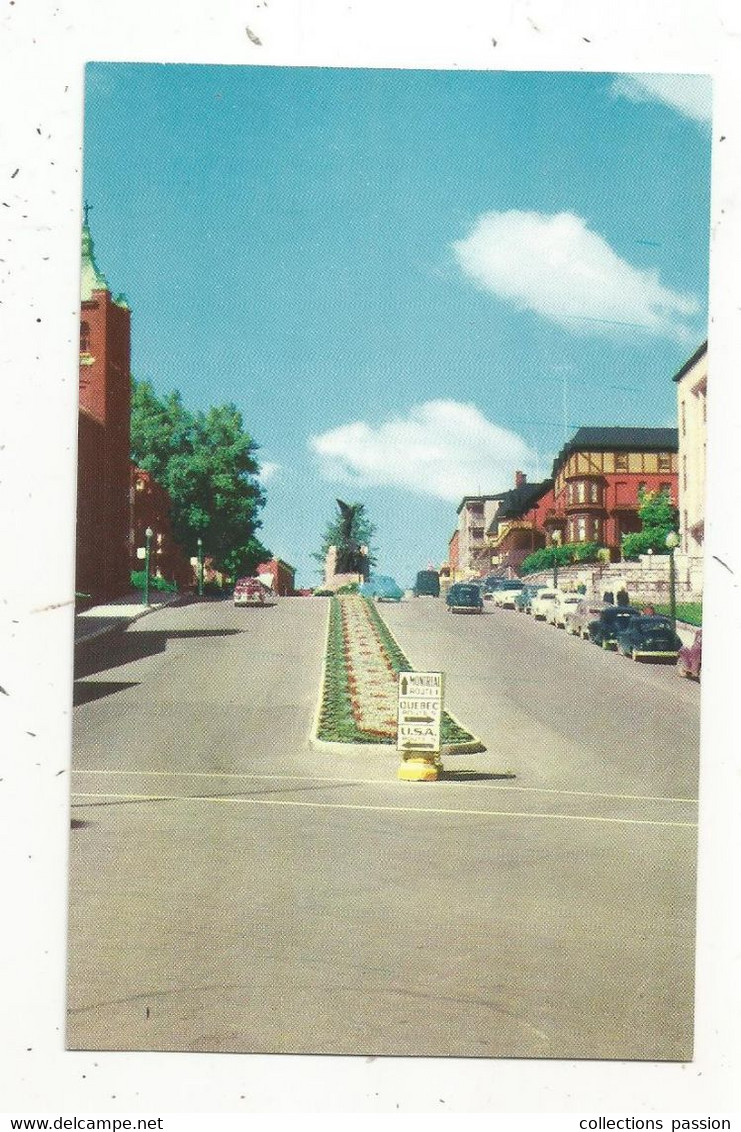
{"type": "Point", "coordinates": [234, 890]}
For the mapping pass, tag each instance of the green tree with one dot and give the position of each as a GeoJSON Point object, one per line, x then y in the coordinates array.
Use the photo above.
{"type": "Point", "coordinates": [363, 532]}
{"type": "Point", "coordinates": [207, 463]}
{"type": "Point", "coordinates": [658, 517]}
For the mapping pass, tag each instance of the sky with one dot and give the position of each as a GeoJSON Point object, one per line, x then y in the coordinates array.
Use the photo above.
{"type": "Point", "coordinates": [412, 283]}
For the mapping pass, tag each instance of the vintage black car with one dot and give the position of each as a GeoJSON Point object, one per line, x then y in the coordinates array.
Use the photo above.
{"type": "Point", "coordinates": [427, 584]}
{"type": "Point", "coordinates": [612, 620]}
{"type": "Point", "coordinates": [649, 637]}
{"type": "Point", "coordinates": [464, 597]}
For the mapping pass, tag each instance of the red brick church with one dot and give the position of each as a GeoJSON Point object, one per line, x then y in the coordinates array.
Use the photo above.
{"type": "Point", "coordinates": [103, 469]}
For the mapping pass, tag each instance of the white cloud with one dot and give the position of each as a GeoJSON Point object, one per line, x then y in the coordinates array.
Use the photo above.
{"type": "Point", "coordinates": [554, 265]}
{"type": "Point", "coordinates": [691, 95]}
{"type": "Point", "coordinates": [441, 448]}
{"type": "Point", "coordinates": [267, 471]}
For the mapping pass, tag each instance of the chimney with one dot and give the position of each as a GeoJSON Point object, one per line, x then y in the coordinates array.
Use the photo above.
{"type": "Point", "coordinates": [520, 479]}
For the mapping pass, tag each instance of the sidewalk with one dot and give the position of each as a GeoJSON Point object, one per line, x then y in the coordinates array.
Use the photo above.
{"type": "Point", "coordinates": [117, 614]}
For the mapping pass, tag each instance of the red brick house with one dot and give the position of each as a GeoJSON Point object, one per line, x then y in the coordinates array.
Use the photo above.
{"type": "Point", "coordinates": [103, 475]}
{"type": "Point", "coordinates": [454, 553]}
{"type": "Point", "coordinates": [282, 576]}
{"type": "Point", "coordinates": [519, 526]}
{"type": "Point", "coordinates": [150, 507]}
{"type": "Point", "coordinates": [598, 476]}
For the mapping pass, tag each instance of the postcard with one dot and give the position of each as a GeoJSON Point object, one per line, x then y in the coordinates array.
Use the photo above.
{"type": "Point", "coordinates": [389, 562]}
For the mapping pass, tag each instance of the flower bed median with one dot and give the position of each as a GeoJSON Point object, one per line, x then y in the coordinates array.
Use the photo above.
{"type": "Point", "coordinates": [360, 692]}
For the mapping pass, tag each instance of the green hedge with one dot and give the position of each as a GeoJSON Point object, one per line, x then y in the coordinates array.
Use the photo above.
{"type": "Point", "coordinates": [548, 556]}
{"type": "Point", "coordinates": [139, 581]}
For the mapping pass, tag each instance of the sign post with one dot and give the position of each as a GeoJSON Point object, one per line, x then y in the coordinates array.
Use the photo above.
{"type": "Point", "coordinates": [418, 731]}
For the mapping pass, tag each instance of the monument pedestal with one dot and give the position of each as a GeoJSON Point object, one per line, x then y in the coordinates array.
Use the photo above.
{"type": "Point", "coordinates": [334, 580]}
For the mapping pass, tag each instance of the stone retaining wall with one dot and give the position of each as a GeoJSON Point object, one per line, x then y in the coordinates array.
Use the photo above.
{"type": "Point", "coordinates": [646, 579]}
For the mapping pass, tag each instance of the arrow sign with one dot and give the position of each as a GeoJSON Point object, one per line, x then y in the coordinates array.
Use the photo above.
{"type": "Point", "coordinates": [419, 711]}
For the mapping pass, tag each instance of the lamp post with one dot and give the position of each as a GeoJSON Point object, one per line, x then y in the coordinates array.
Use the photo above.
{"type": "Point", "coordinates": [556, 539]}
{"type": "Point", "coordinates": [147, 545]}
{"type": "Point", "coordinates": [672, 542]}
{"type": "Point", "coordinates": [200, 567]}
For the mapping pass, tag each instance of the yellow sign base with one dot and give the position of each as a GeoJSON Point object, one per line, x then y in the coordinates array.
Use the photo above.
{"type": "Point", "coordinates": [420, 769]}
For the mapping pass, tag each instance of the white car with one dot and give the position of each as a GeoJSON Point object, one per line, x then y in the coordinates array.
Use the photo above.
{"type": "Point", "coordinates": [504, 597]}
{"type": "Point", "coordinates": [542, 603]}
{"type": "Point", "coordinates": [562, 607]}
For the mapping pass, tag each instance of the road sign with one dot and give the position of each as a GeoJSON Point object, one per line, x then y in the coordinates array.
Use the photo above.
{"type": "Point", "coordinates": [420, 711]}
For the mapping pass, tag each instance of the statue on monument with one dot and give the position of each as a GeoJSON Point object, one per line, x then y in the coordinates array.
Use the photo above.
{"type": "Point", "coordinates": [351, 557]}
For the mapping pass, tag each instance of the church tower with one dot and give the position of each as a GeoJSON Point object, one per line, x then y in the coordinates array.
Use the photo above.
{"type": "Point", "coordinates": [103, 471]}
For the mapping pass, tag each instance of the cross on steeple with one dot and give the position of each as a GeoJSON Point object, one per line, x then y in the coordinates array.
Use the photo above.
{"type": "Point", "coordinates": [86, 209]}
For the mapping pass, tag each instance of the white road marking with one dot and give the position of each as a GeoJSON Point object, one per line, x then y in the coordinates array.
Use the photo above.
{"type": "Point", "coordinates": [371, 781]}
{"type": "Point", "coordinates": [392, 809]}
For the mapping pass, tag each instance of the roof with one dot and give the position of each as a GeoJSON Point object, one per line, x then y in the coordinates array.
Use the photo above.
{"type": "Point", "coordinates": [519, 500]}
{"type": "Point", "coordinates": [609, 439]}
{"type": "Point", "coordinates": [478, 499]}
{"type": "Point", "coordinates": [691, 361]}
{"type": "Point", "coordinates": [91, 279]}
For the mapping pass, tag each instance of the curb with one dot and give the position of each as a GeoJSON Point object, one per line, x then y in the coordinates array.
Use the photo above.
{"type": "Point", "coordinates": [120, 623]}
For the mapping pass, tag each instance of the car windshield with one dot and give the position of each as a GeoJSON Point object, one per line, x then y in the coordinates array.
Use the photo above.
{"type": "Point", "coordinates": [657, 636]}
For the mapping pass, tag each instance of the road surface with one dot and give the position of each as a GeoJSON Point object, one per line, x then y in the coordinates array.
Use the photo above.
{"type": "Point", "coordinates": [233, 890]}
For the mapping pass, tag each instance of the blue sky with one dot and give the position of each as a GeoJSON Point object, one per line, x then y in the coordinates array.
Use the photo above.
{"type": "Point", "coordinates": [411, 283]}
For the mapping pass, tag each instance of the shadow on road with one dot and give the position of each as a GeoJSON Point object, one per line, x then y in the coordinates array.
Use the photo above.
{"type": "Point", "coordinates": [121, 647]}
{"type": "Point", "coordinates": [86, 692]}
{"type": "Point", "coordinates": [472, 776]}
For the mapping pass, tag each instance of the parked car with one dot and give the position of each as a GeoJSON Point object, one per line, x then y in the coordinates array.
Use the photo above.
{"type": "Point", "coordinates": [464, 597]}
{"type": "Point", "coordinates": [582, 615]}
{"type": "Point", "coordinates": [427, 584]}
{"type": "Point", "coordinates": [504, 595]}
{"type": "Point", "coordinates": [251, 591]}
{"type": "Point", "coordinates": [611, 621]}
{"type": "Point", "coordinates": [381, 587]}
{"type": "Point", "coordinates": [689, 661]}
{"type": "Point", "coordinates": [542, 603]}
{"type": "Point", "coordinates": [491, 584]}
{"type": "Point", "coordinates": [563, 604]}
{"type": "Point", "coordinates": [649, 637]}
{"type": "Point", "coordinates": [524, 599]}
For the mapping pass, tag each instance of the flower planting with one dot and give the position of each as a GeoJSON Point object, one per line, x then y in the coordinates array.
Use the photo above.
{"type": "Point", "coordinates": [359, 698]}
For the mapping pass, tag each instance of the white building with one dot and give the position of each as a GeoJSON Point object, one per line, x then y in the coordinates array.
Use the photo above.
{"type": "Point", "coordinates": [475, 514]}
{"type": "Point", "coordinates": [692, 384]}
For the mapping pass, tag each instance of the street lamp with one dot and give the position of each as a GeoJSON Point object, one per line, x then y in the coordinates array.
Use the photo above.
{"type": "Point", "coordinates": [672, 542]}
{"type": "Point", "coordinates": [556, 539]}
{"type": "Point", "coordinates": [200, 567]}
{"type": "Point", "coordinates": [147, 543]}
